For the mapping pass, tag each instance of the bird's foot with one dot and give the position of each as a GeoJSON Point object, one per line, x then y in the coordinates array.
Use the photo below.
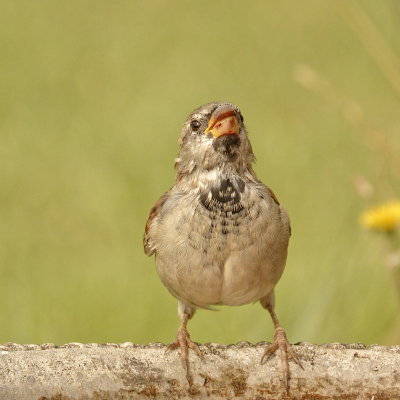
{"type": "Point", "coordinates": [286, 351]}
{"type": "Point", "coordinates": [184, 343]}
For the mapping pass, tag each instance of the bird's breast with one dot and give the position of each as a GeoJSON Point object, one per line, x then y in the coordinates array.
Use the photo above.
{"type": "Point", "coordinates": [224, 198]}
{"type": "Point", "coordinates": [226, 218]}
{"type": "Point", "coordinates": [228, 245]}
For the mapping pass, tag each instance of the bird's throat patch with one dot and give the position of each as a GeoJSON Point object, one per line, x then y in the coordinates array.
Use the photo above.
{"type": "Point", "coordinates": [224, 197]}
{"type": "Point", "coordinates": [227, 145]}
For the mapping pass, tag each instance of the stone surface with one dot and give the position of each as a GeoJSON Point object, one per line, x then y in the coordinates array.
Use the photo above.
{"type": "Point", "coordinates": [128, 371]}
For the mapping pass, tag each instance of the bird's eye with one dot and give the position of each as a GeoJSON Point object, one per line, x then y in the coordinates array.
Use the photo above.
{"type": "Point", "coordinates": [241, 117]}
{"type": "Point", "coordinates": [195, 125]}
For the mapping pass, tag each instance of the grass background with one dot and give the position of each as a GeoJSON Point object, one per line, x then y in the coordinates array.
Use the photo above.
{"type": "Point", "coordinates": [93, 95]}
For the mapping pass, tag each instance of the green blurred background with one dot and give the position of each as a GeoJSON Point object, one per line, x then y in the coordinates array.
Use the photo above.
{"type": "Point", "coordinates": [93, 96]}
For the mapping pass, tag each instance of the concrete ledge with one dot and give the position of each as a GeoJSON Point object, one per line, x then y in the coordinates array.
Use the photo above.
{"type": "Point", "coordinates": [127, 371]}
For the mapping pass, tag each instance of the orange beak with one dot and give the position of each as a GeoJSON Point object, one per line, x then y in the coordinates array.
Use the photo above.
{"type": "Point", "coordinates": [223, 122]}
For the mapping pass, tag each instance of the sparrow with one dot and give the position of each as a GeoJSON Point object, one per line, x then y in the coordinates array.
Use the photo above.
{"type": "Point", "coordinates": [219, 235]}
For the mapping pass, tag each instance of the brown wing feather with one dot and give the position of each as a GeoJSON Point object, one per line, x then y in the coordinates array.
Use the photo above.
{"type": "Point", "coordinates": [148, 248]}
{"type": "Point", "coordinates": [275, 199]}
{"type": "Point", "coordinates": [272, 194]}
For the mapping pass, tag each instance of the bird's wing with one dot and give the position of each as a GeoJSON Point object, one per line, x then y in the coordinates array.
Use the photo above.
{"type": "Point", "coordinates": [275, 199]}
{"type": "Point", "coordinates": [272, 194]}
{"type": "Point", "coordinates": [149, 246]}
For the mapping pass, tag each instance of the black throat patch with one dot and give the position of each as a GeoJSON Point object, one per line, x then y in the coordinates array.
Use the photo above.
{"type": "Point", "coordinates": [224, 197]}
{"type": "Point", "coordinates": [227, 145]}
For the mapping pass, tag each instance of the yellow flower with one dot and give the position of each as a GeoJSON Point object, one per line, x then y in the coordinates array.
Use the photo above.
{"type": "Point", "coordinates": [385, 217]}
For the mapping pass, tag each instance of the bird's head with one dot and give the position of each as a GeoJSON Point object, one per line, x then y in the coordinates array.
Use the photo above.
{"type": "Point", "coordinates": [214, 136]}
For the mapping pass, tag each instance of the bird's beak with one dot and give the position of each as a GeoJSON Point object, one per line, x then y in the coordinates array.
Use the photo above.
{"type": "Point", "coordinates": [223, 122]}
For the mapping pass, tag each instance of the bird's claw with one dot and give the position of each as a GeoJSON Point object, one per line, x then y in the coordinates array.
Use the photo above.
{"type": "Point", "coordinates": [286, 351]}
{"type": "Point", "coordinates": [184, 343]}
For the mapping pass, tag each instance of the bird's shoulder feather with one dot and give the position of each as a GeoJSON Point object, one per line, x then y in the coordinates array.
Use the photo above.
{"type": "Point", "coordinates": [154, 213]}
{"type": "Point", "coordinates": [272, 196]}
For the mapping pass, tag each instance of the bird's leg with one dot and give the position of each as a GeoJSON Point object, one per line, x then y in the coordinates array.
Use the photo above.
{"type": "Point", "coordinates": [183, 339]}
{"type": "Point", "coordinates": [280, 342]}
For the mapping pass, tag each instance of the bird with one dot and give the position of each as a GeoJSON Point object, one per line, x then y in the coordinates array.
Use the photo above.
{"type": "Point", "coordinates": [219, 235]}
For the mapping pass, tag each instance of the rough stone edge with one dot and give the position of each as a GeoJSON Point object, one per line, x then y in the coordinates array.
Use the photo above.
{"type": "Point", "coordinates": [11, 346]}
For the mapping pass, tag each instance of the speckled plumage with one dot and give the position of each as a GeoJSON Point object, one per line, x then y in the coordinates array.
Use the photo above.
{"type": "Point", "coordinates": [220, 236]}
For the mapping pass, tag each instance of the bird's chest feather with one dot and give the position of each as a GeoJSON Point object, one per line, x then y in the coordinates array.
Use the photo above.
{"type": "Point", "coordinates": [223, 247]}
{"type": "Point", "coordinates": [224, 217]}
{"type": "Point", "coordinates": [222, 205]}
